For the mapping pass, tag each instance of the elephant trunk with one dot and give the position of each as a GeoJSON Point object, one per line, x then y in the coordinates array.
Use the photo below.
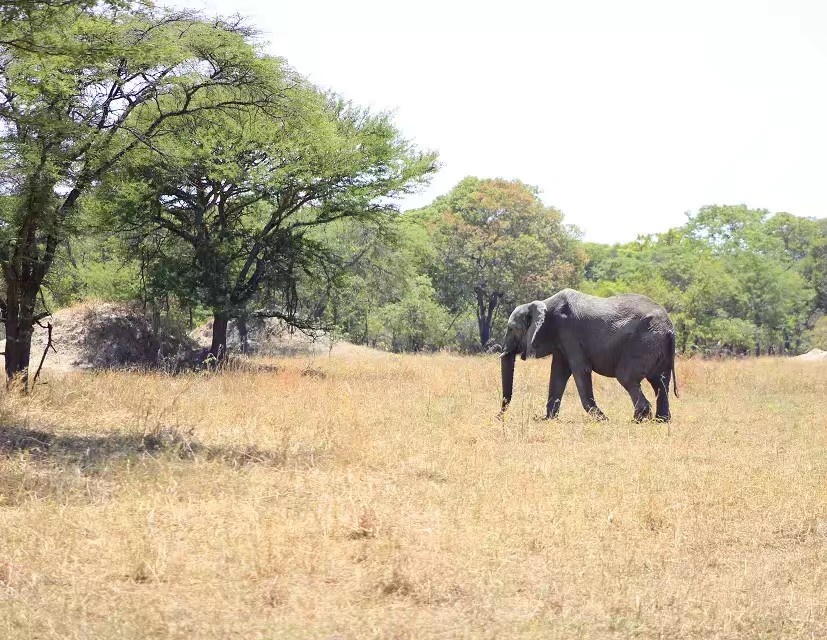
{"type": "Point", "coordinates": [507, 370]}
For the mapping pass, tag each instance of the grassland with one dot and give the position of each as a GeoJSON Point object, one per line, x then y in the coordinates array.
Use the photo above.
{"type": "Point", "coordinates": [376, 496]}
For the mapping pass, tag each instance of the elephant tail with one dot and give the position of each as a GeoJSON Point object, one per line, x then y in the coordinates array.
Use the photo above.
{"type": "Point", "coordinates": [672, 354]}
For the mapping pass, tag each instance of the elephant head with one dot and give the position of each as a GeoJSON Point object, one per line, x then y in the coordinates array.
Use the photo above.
{"type": "Point", "coordinates": [523, 324]}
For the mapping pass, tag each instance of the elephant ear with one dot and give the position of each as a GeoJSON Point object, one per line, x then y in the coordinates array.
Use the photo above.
{"type": "Point", "coordinates": [537, 315]}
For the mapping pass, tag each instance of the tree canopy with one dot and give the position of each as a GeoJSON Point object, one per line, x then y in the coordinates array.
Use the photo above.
{"type": "Point", "coordinates": [495, 242]}
{"type": "Point", "coordinates": [233, 201]}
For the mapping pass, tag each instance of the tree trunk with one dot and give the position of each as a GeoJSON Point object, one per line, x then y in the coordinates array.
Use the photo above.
{"type": "Point", "coordinates": [218, 348]}
{"type": "Point", "coordinates": [243, 334]}
{"type": "Point", "coordinates": [26, 266]}
{"type": "Point", "coordinates": [485, 330]}
{"type": "Point", "coordinates": [486, 305]}
{"type": "Point", "coordinates": [20, 321]}
{"type": "Point", "coordinates": [156, 318]}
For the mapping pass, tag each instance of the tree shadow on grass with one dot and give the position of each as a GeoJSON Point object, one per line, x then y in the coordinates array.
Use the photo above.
{"type": "Point", "coordinates": [90, 451]}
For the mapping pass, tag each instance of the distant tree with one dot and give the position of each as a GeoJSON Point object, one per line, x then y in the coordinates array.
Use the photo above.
{"type": "Point", "coordinates": [93, 265]}
{"type": "Point", "coordinates": [729, 273]}
{"type": "Point", "coordinates": [496, 242]}
{"type": "Point", "coordinates": [765, 255]}
{"type": "Point", "coordinates": [730, 229]}
{"type": "Point", "coordinates": [817, 273]}
{"type": "Point", "coordinates": [804, 246]}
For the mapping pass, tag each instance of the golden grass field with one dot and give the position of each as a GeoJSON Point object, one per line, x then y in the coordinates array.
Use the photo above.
{"type": "Point", "coordinates": [375, 496]}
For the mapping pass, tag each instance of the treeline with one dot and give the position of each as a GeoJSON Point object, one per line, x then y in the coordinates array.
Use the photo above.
{"type": "Point", "coordinates": [161, 157]}
{"type": "Point", "coordinates": [736, 281]}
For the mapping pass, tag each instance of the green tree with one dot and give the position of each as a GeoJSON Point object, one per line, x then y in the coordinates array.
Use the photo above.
{"type": "Point", "coordinates": [765, 254]}
{"type": "Point", "coordinates": [374, 264]}
{"type": "Point", "coordinates": [817, 274]}
{"type": "Point", "coordinates": [83, 86]}
{"type": "Point", "coordinates": [804, 246]}
{"type": "Point", "coordinates": [730, 229]}
{"type": "Point", "coordinates": [238, 194]}
{"type": "Point", "coordinates": [496, 242]}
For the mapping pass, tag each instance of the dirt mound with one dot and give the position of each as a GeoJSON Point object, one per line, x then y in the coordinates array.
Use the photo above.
{"type": "Point", "coordinates": [267, 337]}
{"type": "Point", "coordinates": [812, 355]}
{"type": "Point", "coordinates": [104, 335]}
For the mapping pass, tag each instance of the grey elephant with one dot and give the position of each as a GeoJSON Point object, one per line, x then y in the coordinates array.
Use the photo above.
{"type": "Point", "coordinates": [628, 337]}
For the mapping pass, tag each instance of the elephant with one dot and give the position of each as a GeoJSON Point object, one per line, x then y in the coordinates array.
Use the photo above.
{"type": "Point", "coordinates": [628, 337]}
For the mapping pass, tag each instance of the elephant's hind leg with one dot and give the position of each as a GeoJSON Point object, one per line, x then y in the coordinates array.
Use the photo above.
{"type": "Point", "coordinates": [643, 410]}
{"type": "Point", "coordinates": [660, 383]}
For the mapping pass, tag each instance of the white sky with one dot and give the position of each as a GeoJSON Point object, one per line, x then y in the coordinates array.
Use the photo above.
{"type": "Point", "coordinates": [625, 113]}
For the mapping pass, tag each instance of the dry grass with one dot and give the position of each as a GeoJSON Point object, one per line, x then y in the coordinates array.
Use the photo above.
{"type": "Point", "coordinates": [377, 497]}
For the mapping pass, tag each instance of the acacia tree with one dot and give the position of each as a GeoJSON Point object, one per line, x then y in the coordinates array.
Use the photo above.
{"type": "Point", "coordinates": [83, 86]}
{"type": "Point", "coordinates": [495, 241]}
{"type": "Point", "coordinates": [237, 195]}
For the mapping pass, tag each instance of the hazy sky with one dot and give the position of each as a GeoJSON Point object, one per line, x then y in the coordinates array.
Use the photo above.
{"type": "Point", "coordinates": [626, 114]}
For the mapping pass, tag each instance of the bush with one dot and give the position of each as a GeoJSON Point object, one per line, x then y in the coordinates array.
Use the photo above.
{"type": "Point", "coordinates": [417, 322]}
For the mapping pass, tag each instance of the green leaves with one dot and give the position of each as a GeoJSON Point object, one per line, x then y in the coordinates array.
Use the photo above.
{"type": "Point", "coordinates": [190, 130]}
{"type": "Point", "coordinates": [416, 322]}
{"type": "Point", "coordinates": [239, 192]}
{"type": "Point", "coordinates": [729, 272]}
{"type": "Point", "coordinates": [496, 242]}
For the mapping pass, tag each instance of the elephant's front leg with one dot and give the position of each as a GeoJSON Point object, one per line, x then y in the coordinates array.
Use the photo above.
{"type": "Point", "coordinates": [583, 380]}
{"type": "Point", "coordinates": [560, 374]}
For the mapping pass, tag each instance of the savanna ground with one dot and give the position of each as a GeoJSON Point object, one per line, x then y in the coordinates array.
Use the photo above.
{"type": "Point", "coordinates": [376, 496]}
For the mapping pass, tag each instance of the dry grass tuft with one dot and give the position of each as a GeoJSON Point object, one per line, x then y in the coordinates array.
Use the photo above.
{"type": "Point", "coordinates": [367, 525]}
{"type": "Point", "coordinates": [374, 495]}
